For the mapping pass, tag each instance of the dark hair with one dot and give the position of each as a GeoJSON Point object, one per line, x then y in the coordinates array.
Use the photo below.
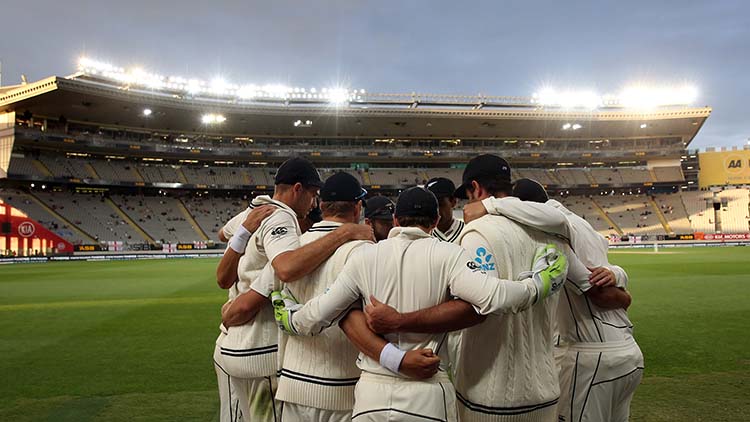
{"type": "Point", "coordinates": [421, 221]}
{"type": "Point", "coordinates": [495, 185]}
{"type": "Point", "coordinates": [337, 208]}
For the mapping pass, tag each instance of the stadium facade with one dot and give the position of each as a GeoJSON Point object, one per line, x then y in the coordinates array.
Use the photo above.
{"type": "Point", "coordinates": [119, 160]}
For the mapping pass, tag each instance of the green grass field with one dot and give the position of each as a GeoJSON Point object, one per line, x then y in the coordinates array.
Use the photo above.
{"type": "Point", "coordinates": [132, 341]}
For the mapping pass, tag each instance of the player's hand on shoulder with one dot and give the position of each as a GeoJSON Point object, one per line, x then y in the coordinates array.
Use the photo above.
{"type": "Point", "coordinates": [256, 216]}
{"type": "Point", "coordinates": [548, 272]}
{"type": "Point", "coordinates": [358, 231]}
{"type": "Point", "coordinates": [382, 318]}
{"type": "Point", "coordinates": [419, 364]}
{"type": "Point", "coordinates": [474, 210]}
{"type": "Point", "coordinates": [602, 277]}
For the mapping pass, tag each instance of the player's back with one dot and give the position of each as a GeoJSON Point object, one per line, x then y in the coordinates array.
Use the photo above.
{"type": "Point", "coordinates": [320, 371]}
{"type": "Point", "coordinates": [580, 319]}
{"type": "Point", "coordinates": [506, 364]}
{"type": "Point", "coordinates": [408, 271]}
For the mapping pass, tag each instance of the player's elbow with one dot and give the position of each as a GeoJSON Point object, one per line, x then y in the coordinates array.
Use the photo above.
{"type": "Point", "coordinates": [224, 281]}
{"type": "Point", "coordinates": [222, 236]}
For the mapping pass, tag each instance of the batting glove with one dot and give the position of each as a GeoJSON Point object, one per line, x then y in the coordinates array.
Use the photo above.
{"type": "Point", "coordinates": [284, 305]}
{"type": "Point", "coordinates": [548, 272]}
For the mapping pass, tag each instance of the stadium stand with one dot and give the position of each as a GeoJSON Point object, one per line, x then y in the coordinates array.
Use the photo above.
{"type": "Point", "coordinates": [44, 215]}
{"type": "Point", "coordinates": [161, 217]}
{"type": "Point", "coordinates": [734, 215]}
{"type": "Point", "coordinates": [93, 214]}
{"type": "Point", "coordinates": [669, 174]}
{"type": "Point", "coordinates": [212, 213]}
{"type": "Point", "coordinates": [700, 210]}
{"type": "Point", "coordinates": [671, 205]}
{"type": "Point", "coordinates": [632, 213]}
{"type": "Point", "coordinates": [584, 207]}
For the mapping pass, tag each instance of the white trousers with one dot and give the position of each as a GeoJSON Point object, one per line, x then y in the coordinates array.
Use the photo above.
{"type": "Point", "coordinates": [293, 412]}
{"type": "Point", "coordinates": [598, 380]}
{"type": "Point", "coordinates": [245, 400]}
{"type": "Point", "coordinates": [392, 399]}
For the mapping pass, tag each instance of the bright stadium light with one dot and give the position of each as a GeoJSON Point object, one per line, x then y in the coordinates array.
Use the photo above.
{"type": "Point", "coordinates": [644, 125]}
{"type": "Point", "coordinates": [147, 112]}
{"type": "Point", "coordinates": [566, 126]}
{"type": "Point", "coordinates": [576, 126]}
{"type": "Point", "coordinates": [337, 96]}
{"type": "Point", "coordinates": [210, 119]}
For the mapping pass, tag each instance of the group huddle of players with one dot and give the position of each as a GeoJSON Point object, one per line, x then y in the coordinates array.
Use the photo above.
{"type": "Point", "coordinates": [513, 314]}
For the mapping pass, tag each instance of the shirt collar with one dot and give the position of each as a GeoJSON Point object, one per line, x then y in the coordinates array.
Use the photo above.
{"type": "Point", "coordinates": [412, 233]}
{"type": "Point", "coordinates": [265, 200]}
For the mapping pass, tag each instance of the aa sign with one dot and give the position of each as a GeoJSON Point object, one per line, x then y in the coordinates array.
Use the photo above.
{"type": "Point", "coordinates": [721, 168]}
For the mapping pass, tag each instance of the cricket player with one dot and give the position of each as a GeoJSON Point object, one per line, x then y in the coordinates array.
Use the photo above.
{"type": "Point", "coordinates": [601, 364]}
{"type": "Point", "coordinates": [412, 270]}
{"type": "Point", "coordinates": [318, 374]}
{"type": "Point", "coordinates": [379, 215]}
{"type": "Point", "coordinates": [449, 228]}
{"type": "Point", "coordinates": [248, 352]}
{"type": "Point", "coordinates": [505, 368]}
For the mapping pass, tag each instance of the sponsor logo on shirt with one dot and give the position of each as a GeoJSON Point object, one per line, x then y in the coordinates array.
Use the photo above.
{"type": "Point", "coordinates": [279, 231]}
{"type": "Point", "coordinates": [484, 260]}
{"type": "Point", "coordinates": [473, 266]}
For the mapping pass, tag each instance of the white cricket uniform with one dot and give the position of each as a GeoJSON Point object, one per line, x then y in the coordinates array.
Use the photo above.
{"type": "Point", "coordinates": [318, 374]}
{"type": "Point", "coordinates": [229, 407]}
{"type": "Point", "coordinates": [601, 364]}
{"type": "Point", "coordinates": [453, 339]}
{"type": "Point", "coordinates": [409, 271]}
{"type": "Point", "coordinates": [506, 369]}
{"type": "Point", "coordinates": [450, 235]}
{"type": "Point", "coordinates": [248, 353]}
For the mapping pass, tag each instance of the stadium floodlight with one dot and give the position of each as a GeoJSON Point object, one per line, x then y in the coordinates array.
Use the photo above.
{"type": "Point", "coordinates": [147, 112]}
{"type": "Point", "coordinates": [644, 125]}
{"type": "Point", "coordinates": [211, 118]}
{"type": "Point", "coordinates": [566, 126]}
{"type": "Point", "coordinates": [576, 126]}
{"type": "Point", "coordinates": [337, 96]}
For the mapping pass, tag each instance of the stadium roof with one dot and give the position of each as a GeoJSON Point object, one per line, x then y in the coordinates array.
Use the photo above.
{"type": "Point", "coordinates": [82, 98]}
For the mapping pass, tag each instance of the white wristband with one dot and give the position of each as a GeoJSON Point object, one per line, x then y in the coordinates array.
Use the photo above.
{"type": "Point", "coordinates": [238, 242]}
{"type": "Point", "coordinates": [391, 357]}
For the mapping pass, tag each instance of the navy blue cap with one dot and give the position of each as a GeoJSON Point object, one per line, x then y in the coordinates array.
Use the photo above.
{"type": "Point", "coordinates": [483, 167]}
{"type": "Point", "coordinates": [441, 187]}
{"type": "Point", "coordinates": [417, 202]}
{"type": "Point", "coordinates": [298, 170]}
{"type": "Point", "coordinates": [342, 186]}
{"type": "Point", "coordinates": [379, 208]}
{"type": "Point", "coordinates": [530, 190]}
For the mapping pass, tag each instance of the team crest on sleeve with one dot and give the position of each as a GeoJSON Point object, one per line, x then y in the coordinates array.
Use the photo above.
{"type": "Point", "coordinates": [279, 231]}
{"type": "Point", "coordinates": [484, 260]}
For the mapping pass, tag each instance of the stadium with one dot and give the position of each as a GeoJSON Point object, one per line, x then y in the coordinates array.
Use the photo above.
{"type": "Point", "coordinates": [132, 174]}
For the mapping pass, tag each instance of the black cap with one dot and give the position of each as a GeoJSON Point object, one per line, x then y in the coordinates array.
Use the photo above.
{"type": "Point", "coordinates": [530, 190]}
{"type": "Point", "coordinates": [417, 202]}
{"type": "Point", "coordinates": [342, 187]}
{"type": "Point", "coordinates": [441, 187]}
{"type": "Point", "coordinates": [481, 168]}
{"type": "Point", "coordinates": [379, 208]}
{"type": "Point", "coordinates": [298, 170]}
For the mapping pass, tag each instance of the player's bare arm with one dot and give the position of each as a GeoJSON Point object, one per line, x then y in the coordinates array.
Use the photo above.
{"type": "Point", "coordinates": [418, 364]}
{"type": "Point", "coordinates": [242, 309]}
{"type": "Point", "coordinates": [448, 316]}
{"type": "Point", "coordinates": [610, 297]}
{"type": "Point", "coordinates": [293, 265]}
{"type": "Point", "coordinates": [226, 272]}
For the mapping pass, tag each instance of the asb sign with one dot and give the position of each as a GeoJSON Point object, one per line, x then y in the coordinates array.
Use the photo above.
{"type": "Point", "coordinates": [721, 168]}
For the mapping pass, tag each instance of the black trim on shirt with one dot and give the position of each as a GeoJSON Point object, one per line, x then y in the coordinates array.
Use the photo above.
{"type": "Point", "coordinates": [476, 407]}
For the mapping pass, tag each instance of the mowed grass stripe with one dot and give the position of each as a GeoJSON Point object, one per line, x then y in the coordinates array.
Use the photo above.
{"type": "Point", "coordinates": [110, 302]}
